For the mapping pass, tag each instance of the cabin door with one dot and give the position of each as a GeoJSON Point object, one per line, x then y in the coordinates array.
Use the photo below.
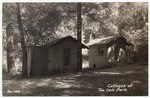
{"type": "Point", "coordinates": [67, 58]}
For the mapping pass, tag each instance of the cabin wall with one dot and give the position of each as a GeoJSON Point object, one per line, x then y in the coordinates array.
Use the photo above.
{"type": "Point", "coordinates": [56, 59]}
{"type": "Point", "coordinates": [94, 58]}
{"type": "Point", "coordinates": [40, 61]}
{"type": "Point", "coordinates": [49, 60]}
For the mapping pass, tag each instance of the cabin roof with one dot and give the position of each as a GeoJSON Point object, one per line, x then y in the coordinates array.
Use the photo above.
{"type": "Point", "coordinates": [105, 40]}
{"type": "Point", "coordinates": [58, 40]}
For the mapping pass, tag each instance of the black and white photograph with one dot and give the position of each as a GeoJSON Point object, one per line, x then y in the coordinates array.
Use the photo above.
{"type": "Point", "coordinates": [74, 49]}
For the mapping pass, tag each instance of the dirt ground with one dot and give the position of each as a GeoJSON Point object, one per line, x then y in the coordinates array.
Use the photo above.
{"type": "Point", "coordinates": [122, 80]}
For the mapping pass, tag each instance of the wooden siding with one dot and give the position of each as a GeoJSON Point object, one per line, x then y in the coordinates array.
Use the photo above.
{"type": "Point", "coordinates": [49, 60]}
{"type": "Point", "coordinates": [40, 61]}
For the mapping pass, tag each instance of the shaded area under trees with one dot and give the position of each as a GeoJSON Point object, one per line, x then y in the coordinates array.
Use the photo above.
{"type": "Point", "coordinates": [44, 22]}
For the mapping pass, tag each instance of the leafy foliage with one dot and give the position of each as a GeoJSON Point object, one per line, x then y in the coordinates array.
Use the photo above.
{"type": "Point", "coordinates": [43, 22]}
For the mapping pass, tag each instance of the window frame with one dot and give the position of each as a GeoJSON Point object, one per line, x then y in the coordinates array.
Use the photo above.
{"type": "Point", "coordinates": [100, 51]}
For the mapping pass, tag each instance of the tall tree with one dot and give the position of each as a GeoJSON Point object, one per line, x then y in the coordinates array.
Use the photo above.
{"type": "Point", "coordinates": [24, 51]}
{"type": "Point", "coordinates": [8, 36]}
{"type": "Point", "coordinates": [79, 28]}
{"type": "Point", "coordinates": [10, 47]}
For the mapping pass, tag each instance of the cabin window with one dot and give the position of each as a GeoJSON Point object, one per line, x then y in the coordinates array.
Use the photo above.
{"type": "Point", "coordinates": [101, 51]}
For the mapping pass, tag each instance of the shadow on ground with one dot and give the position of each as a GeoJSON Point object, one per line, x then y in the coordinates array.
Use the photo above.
{"type": "Point", "coordinates": [86, 83]}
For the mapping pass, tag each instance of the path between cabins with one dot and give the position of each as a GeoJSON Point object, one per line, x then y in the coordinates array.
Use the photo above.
{"type": "Point", "coordinates": [89, 83]}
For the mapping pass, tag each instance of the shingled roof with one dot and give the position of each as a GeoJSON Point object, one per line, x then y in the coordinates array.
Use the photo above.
{"type": "Point", "coordinates": [101, 41]}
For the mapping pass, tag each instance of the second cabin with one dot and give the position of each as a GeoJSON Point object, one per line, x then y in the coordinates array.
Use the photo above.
{"type": "Point", "coordinates": [108, 50]}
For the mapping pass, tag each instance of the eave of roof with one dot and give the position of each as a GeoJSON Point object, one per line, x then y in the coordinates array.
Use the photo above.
{"type": "Point", "coordinates": [56, 41]}
{"type": "Point", "coordinates": [101, 41]}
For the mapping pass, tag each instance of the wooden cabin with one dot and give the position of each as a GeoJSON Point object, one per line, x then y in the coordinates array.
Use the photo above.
{"type": "Point", "coordinates": [103, 51]}
{"type": "Point", "coordinates": [57, 56]}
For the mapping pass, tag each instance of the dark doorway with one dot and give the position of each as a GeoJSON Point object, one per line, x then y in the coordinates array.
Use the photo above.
{"type": "Point", "coordinates": [67, 58]}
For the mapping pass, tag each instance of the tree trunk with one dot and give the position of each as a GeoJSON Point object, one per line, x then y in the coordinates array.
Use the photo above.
{"type": "Point", "coordinates": [24, 51]}
{"type": "Point", "coordinates": [79, 38]}
{"type": "Point", "coordinates": [10, 48]}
